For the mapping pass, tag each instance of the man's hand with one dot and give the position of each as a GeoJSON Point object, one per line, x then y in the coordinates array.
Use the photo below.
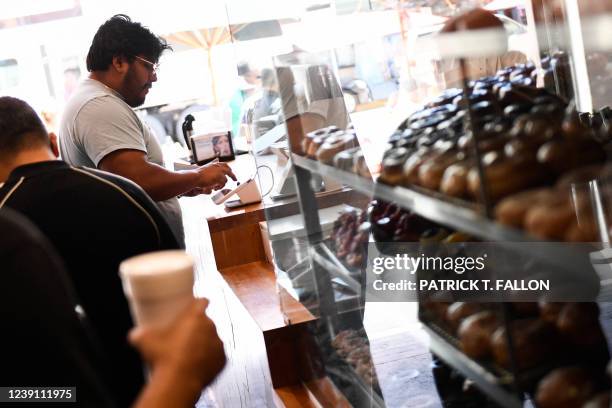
{"type": "Point", "coordinates": [189, 351]}
{"type": "Point", "coordinates": [196, 192]}
{"type": "Point", "coordinates": [214, 175]}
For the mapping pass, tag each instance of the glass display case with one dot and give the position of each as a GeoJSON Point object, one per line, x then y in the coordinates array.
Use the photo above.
{"type": "Point", "coordinates": [466, 132]}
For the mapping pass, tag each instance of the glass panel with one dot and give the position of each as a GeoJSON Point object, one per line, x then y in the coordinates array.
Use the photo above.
{"type": "Point", "coordinates": [403, 124]}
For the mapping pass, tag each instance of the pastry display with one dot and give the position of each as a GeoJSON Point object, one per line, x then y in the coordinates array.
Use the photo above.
{"type": "Point", "coordinates": [354, 348]}
{"type": "Point", "coordinates": [350, 236]}
{"type": "Point", "coordinates": [391, 223]}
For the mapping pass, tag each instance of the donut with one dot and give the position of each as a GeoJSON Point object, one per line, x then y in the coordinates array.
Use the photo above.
{"type": "Point", "coordinates": [306, 142]}
{"type": "Point", "coordinates": [550, 219]}
{"type": "Point", "coordinates": [505, 176]}
{"type": "Point", "coordinates": [458, 311]}
{"type": "Point", "coordinates": [335, 144]}
{"type": "Point", "coordinates": [475, 334]}
{"type": "Point", "coordinates": [393, 166]}
{"type": "Point", "coordinates": [432, 171]}
{"type": "Point", "coordinates": [512, 210]}
{"type": "Point", "coordinates": [414, 162]}
{"type": "Point", "coordinates": [454, 180]}
{"type": "Point", "coordinates": [533, 341]}
{"type": "Point", "coordinates": [344, 160]}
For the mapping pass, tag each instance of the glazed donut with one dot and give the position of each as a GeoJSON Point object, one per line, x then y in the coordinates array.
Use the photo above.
{"type": "Point", "coordinates": [560, 155]}
{"type": "Point", "coordinates": [344, 160]}
{"type": "Point", "coordinates": [454, 180]}
{"type": "Point", "coordinates": [393, 166]}
{"type": "Point", "coordinates": [512, 210]}
{"type": "Point", "coordinates": [414, 162]}
{"type": "Point", "coordinates": [475, 334]}
{"type": "Point", "coordinates": [505, 176]}
{"type": "Point", "coordinates": [315, 144]}
{"type": "Point", "coordinates": [335, 144]}
{"type": "Point", "coordinates": [550, 219]}
{"type": "Point", "coordinates": [432, 171]}
{"type": "Point", "coordinates": [313, 135]}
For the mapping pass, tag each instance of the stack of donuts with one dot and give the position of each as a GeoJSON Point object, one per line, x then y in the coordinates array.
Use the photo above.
{"type": "Point", "coordinates": [336, 147]}
{"type": "Point", "coordinates": [350, 236]}
{"type": "Point", "coordinates": [354, 347]}
{"type": "Point", "coordinates": [543, 334]}
{"type": "Point", "coordinates": [527, 137]}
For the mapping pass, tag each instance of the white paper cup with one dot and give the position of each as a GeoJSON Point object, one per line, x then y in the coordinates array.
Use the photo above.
{"type": "Point", "coordinates": [158, 286]}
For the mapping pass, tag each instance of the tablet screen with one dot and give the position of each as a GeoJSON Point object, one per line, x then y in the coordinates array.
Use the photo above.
{"type": "Point", "coordinates": [207, 147]}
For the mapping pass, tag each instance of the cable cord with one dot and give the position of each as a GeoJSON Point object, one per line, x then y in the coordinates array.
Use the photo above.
{"type": "Point", "coordinates": [271, 174]}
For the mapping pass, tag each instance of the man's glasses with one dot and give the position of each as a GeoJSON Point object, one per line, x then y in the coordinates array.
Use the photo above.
{"type": "Point", "coordinates": [152, 66]}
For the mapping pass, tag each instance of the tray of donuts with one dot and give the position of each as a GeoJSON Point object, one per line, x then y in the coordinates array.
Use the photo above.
{"type": "Point", "coordinates": [527, 137]}
{"type": "Point", "coordinates": [568, 211]}
{"type": "Point", "coordinates": [554, 346]}
{"type": "Point", "coordinates": [391, 224]}
{"type": "Point", "coordinates": [336, 147]}
{"type": "Point", "coordinates": [349, 240]}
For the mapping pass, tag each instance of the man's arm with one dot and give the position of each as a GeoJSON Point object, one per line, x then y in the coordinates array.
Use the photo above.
{"type": "Point", "coordinates": [160, 183]}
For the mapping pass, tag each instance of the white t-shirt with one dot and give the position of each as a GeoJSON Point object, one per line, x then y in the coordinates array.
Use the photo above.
{"type": "Point", "coordinates": [293, 97]}
{"type": "Point", "coordinates": [96, 122]}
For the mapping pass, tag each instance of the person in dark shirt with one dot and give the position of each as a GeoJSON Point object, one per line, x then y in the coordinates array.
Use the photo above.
{"type": "Point", "coordinates": [94, 219]}
{"type": "Point", "coordinates": [47, 341]}
{"type": "Point", "coordinates": [44, 341]}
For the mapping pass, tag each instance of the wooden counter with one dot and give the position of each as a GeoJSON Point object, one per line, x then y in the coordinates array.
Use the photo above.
{"type": "Point", "coordinates": [266, 343]}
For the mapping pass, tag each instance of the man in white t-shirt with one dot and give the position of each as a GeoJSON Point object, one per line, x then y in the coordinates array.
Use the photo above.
{"type": "Point", "coordinates": [99, 128]}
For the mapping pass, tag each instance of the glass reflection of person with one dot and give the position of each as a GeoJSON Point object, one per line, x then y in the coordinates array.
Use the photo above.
{"type": "Point", "coordinates": [221, 146]}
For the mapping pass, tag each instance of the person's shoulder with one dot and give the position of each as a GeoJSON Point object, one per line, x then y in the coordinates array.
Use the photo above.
{"type": "Point", "coordinates": [17, 228]}
{"type": "Point", "coordinates": [110, 178]}
{"type": "Point", "coordinates": [6, 187]}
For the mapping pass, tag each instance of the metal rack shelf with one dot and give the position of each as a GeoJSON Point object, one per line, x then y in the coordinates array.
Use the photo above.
{"type": "Point", "coordinates": [496, 387]}
{"type": "Point", "coordinates": [457, 214]}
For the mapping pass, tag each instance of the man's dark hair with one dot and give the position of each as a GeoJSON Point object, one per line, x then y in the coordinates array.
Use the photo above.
{"type": "Point", "coordinates": [119, 36]}
{"type": "Point", "coordinates": [20, 127]}
{"type": "Point", "coordinates": [243, 68]}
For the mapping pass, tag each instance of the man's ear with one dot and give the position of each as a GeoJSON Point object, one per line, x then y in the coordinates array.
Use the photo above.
{"type": "Point", "coordinates": [120, 64]}
{"type": "Point", "coordinates": [53, 144]}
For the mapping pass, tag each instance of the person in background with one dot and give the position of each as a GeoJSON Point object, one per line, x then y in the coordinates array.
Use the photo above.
{"type": "Point", "coordinates": [99, 128]}
{"type": "Point", "coordinates": [47, 341]}
{"type": "Point", "coordinates": [269, 102]}
{"type": "Point", "coordinates": [94, 219]}
{"type": "Point", "coordinates": [249, 81]}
